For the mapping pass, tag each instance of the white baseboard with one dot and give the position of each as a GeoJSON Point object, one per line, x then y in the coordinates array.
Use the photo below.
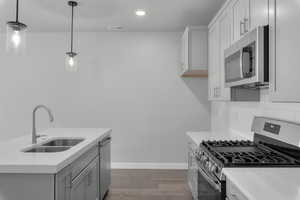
{"type": "Point", "coordinates": [142, 165]}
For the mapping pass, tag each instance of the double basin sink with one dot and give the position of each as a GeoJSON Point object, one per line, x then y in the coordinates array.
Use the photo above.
{"type": "Point", "coordinates": [55, 145]}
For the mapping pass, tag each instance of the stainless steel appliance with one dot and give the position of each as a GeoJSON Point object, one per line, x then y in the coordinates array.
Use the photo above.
{"type": "Point", "coordinates": [105, 167]}
{"type": "Point", "coordinates": [247, 61]}
{"type": "Point", "coordinates": [275, 144]}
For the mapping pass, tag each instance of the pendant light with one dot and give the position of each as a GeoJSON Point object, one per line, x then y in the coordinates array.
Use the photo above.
{"type": "Point", "coordinates": [16, 32]}
{"type": "Point", "coordinates": [71, 59]}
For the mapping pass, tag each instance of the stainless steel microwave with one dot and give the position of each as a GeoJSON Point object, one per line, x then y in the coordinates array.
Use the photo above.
{"type": "Point", "coordinates": [247, 60]}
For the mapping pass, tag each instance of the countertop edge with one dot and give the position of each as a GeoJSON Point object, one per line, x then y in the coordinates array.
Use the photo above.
{"type": "Point", "coordinates": [53, 169]}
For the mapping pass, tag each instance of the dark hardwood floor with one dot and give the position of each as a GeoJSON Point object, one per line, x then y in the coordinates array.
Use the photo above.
{"type": "Point", "coordinates": [149, 185]}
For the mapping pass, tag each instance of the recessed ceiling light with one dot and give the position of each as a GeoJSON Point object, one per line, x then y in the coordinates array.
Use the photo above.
{"type": "Point", "coordinates": [140, 12]}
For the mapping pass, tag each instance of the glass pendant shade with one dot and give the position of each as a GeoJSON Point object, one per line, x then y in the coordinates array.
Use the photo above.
{"type": "Point", "coordinates": [15, 36]}
{"type": "Point", "coordinates": [71, 63]}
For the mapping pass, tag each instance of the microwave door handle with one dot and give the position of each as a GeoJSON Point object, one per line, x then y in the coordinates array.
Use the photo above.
{"type": "Point", "coordinates": [241, 63]}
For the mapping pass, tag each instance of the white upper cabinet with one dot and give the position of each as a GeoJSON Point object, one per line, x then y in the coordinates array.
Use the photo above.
{"type": "Point", "coordinates": [225, 28]}
{"type": "Point", "coordinates": [259, 13]}
{"type": "Point", "coordinates": [213, 70]}
{"type": "Point", "coordinates": [194, 52]}
{"type": "Point", "coordinates": [241, 18]}
{"type": "Point", "coordinates": [284, 32]}
{"type": "Point", "coordinates": [235, 19]}
{"type": "Point", "coordinates": [220, 38]}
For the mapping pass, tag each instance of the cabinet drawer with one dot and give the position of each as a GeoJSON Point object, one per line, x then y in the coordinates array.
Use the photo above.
{"type": "Point", "coordinates": [79, 164]}
{"type": "Point", "coordinates": [233, 193]}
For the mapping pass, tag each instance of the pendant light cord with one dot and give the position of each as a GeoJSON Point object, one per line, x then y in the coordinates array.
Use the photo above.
{"type": "Point", "coordinates": [72, 28]}
{"type": "Point", "coordinates": [17, 11]}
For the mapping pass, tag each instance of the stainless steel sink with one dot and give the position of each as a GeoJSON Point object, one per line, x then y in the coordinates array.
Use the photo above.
{"type": "Point", "coordinates": [55, 145]}
{"type": "Point", "coordinates": [44, 149]}
{"type": "Point", "coordinates": [63, 142]}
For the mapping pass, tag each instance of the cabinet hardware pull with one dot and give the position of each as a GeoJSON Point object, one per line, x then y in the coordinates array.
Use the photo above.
{"type": "Point", "coordinates": [245, 25]}
{"type": "Point", "coordinates": [242, 24]}
{"type": "Point", "coordinates": [83, 174]}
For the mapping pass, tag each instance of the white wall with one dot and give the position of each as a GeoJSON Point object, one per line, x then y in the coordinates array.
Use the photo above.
{"type": "Point", "coordinates": [236, 117]}
{"type": "Point", "coordinates": [127, 81]}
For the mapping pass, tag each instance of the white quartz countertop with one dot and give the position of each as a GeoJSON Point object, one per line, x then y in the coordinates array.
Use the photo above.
{"type": "Point", "coordinates": [14, 160]}
{"type": "Point", "coordinates": [266, 183]}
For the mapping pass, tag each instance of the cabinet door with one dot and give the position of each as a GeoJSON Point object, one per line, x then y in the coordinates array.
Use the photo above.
{"type": "Point", "coordinates": [185, 50]}
{"type": "Point", "coordinates": [284, 32]}
{"type": "Point", "coordinates": [192, 170]}
{"type": "Point", "coordinates": [225, 24]}
{"type": "Point", "coordinates": [214, 72]}
{"type": "Point", "coordinates": [246, 15]}
{"type": "Point", "coordinates": [79, 191]}
{"type": "Point", "coordinates": [105, 166]}
{"type": "Point", "coordinates": [92, 186]}
{"type": "Point", "coordinates": [63, 184]}
{"type": "Point", "coordinates": [259, 13]}
{"type": "Point", "coordinates": [85, 185]}
{"type": "Point", "coordinates": [241, 18]}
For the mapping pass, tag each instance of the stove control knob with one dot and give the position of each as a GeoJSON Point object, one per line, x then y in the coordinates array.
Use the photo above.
{"type": "Point", "coordinates": [217, 170]}
{"type": "Point", "coordinates": [213, 168]}
{"type": "Point", "coordinates": [207, 164]}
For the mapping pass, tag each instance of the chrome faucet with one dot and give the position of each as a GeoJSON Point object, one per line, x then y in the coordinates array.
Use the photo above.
{"type": "Point", "coordinates": [34, 135]}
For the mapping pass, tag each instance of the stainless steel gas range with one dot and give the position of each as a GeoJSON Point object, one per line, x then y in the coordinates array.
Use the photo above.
{"type": "Point", "coordinates": [276, 143]}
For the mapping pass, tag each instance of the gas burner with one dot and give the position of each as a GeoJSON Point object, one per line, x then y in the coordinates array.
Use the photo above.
{"type": "Point", "coordinates": [245, 153]}
{"type": "Point", "coordinates": [230, 143]}
{"type": "Point", "coordinates": [255, 158]}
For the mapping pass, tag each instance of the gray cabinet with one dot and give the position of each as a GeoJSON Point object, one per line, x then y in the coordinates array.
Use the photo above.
{"type": "Point", "coordinates": [85, 185]}
{"type": "Point", "coordinates": [80, 179]}
{"type": "Point", "coordinates": [192, 174]}
{"type": "Point", "coordinates": [88, 177]}
{"type": "Point", "coordinates": [105, 166]}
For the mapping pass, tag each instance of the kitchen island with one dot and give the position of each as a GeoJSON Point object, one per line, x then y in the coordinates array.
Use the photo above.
{"type": "Point", "coordinates": [71, 174]}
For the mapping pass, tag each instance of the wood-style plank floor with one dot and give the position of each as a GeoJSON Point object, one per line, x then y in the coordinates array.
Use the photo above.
{"type": "Point", "coordinates": [149, 185]}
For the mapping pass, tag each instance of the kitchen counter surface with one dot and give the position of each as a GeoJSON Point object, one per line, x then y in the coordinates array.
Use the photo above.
{"type": "Point", "coordinates": [266, 183]}
{"type": "Point", "coordinates": [198, 137]}
{"type": "Point", "coordinates": [14, 160]}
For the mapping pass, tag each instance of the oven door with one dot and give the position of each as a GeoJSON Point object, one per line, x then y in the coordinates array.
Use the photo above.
{"type": "Point", "coordinates": [209, 187]}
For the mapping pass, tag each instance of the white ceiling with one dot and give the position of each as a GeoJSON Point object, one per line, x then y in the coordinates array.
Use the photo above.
{"type": "Point", "coordinates": [97, 15]}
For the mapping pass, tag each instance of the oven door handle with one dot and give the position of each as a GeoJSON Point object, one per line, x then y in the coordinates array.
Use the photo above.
{"type": "Point", "coordinates": [213, 183]}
